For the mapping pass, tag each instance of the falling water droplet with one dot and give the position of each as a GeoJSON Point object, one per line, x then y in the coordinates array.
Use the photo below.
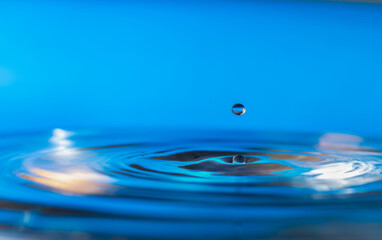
{"type": "Point", "coordinates": [239, 159]}
{"type": "Point", "coordinates": [238, 109]}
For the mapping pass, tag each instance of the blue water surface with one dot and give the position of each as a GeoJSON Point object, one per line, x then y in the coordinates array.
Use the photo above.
{"type": "Point", "coordinates": [100, 184]}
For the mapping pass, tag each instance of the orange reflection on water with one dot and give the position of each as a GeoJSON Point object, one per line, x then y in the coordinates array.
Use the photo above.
{"type": "Point", "coordinates": [340, 141]}
{"type": "Point", "coordinates": [76, 181]}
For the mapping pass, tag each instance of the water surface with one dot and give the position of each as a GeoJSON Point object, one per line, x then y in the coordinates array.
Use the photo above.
{"type": "Point", "coordinates": [184, 184]}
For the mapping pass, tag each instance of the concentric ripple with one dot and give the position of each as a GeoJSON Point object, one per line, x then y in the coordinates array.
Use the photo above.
{"type": "Point", "coordinates": [184, 184]}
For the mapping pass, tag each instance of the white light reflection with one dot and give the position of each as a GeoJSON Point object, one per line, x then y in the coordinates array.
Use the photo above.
{"type": "Point", "coordinates": [350, 168]}
{"type": "Point", "coordinates": [341, 170]}
{"type": "Point", "coordinates": [61, 143]}
{"type": "Point", "coordinates": [341, 175]}
{"type": "Point", "coordinates": [64, 168]}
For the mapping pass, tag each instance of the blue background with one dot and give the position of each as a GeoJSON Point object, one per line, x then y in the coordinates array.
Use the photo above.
{"type": "Point", "coordinates": [298, 66]}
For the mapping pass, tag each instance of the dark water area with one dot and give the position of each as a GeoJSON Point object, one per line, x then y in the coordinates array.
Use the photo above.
{"type": "Point", "coordinates": [173, 184]}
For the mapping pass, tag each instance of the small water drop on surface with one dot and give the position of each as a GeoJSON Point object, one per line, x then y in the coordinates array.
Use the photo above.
{"type": "Point", "coordinates": [238, 109]}
{"type": "Point", "coordinates": [239, 159]}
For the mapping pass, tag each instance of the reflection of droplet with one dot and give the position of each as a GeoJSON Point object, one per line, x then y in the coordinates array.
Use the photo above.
{"type": "Point", "coordinates": [239, 159]}
{"type": "Point", "coordinates": [238, 109]}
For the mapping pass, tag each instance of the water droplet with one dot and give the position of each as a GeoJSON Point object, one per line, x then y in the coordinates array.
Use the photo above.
{"type": "Point", "coordinates": [238, 109]}
{"type": "Point", "coordinates": [239, 159]}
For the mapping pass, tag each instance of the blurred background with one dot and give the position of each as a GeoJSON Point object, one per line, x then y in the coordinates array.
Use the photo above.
{"type": "Point", "coordinates": [296, 65]}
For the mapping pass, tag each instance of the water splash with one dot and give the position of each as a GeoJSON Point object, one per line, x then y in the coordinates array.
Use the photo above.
{"type": "Point", "coordinates": [124, 180]}
{"type": "Point", "coordinates": [239, 159]}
